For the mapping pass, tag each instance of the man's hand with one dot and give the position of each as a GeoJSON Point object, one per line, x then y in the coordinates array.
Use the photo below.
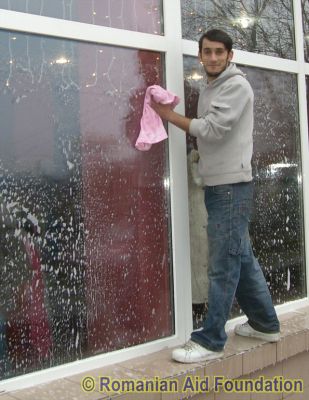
{"type": "Point", "coordinates": [163, 110]}
{"type": "Point", "coordinates": [166, 112]}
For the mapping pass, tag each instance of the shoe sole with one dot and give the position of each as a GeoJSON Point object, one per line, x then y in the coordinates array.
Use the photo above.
{"type": "Point", "coordinates": [206, 358]}
{"type": "Point", "coordinates": [267, 337]}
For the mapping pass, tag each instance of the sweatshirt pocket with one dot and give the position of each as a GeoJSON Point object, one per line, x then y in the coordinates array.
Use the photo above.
{"type": "Point", "coordinates": [216, 105]}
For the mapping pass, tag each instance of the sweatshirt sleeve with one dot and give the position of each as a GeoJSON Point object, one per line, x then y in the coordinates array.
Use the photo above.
{"type": "Point", "coordinates": [224, 111]}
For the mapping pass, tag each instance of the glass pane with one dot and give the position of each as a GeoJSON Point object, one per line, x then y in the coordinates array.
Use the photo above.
{"type": "Point", "coordinates": [277, 224]}
{"type": "Point", "coordinates": [305, 12]}
{"type": "Point", "coordinates": [85, 237]}
{"type": "Point", "coordinates": [134, 15]}
{"type": "Point", "coordinates": [264, 27]}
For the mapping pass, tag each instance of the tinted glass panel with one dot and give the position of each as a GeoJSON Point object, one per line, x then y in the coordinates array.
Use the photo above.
{"type": "Point", "coordinates": [84, 234]}
{"type": "Point", "coordinates": [264, 27]}
{"type": "Point", "coordinates": [277, 224]}
{"type": "Point", "coordinates": [134, 15]}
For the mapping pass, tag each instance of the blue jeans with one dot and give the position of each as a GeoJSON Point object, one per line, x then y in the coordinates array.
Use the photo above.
{"type": "Point", "coordinates": [233, 269]}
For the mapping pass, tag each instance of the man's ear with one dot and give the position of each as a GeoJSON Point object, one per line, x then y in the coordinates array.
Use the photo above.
{"type": "Point", "coordinates": [199, 57]}
{"type": "Point", "coordinates": [230, 55]}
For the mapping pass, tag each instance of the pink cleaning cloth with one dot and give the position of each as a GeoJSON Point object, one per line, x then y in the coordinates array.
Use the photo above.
{"type": "Point", "coordinates": [152, 129]}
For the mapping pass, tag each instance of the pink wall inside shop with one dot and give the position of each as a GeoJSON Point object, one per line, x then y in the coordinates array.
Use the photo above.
{"type": "Point", "coordinates": [124, 199]}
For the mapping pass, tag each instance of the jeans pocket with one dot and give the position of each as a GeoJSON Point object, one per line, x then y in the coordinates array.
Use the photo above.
{"type": "Point", "coordinates": [235, 245]}
{"type": "Point", "coordinates": [222, 189]}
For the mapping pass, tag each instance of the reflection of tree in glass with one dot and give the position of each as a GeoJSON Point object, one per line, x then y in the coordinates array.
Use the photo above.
{"type": "Point", "coordinates": [305, 12]}
{"type": "Point", "coordinates": [277, 221]}
{"type": "Point", "coordinates": [259, 26]}
{"type": "Point", "coordinates": [277, 227]}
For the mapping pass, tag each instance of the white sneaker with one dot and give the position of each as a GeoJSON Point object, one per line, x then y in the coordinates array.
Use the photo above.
{"type": "Point", "coordinates": [246, 330]}
{"type": "Point", "coordinates": [192, 352]}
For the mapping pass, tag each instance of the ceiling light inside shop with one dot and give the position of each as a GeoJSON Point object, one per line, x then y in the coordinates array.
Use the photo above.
{"type": "Point", "coordinates": [62, 60]}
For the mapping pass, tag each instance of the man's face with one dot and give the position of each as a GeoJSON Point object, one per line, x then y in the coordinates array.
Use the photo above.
{"type": "Point", "coordinates": [215, 58]}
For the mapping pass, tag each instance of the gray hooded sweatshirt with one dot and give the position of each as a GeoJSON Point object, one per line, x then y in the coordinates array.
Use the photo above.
{"type": "Point", "coordinates": [224, 129]}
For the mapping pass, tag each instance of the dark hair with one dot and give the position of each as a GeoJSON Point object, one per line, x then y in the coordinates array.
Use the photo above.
{"type": "Point", "coordinates": [216, 35]}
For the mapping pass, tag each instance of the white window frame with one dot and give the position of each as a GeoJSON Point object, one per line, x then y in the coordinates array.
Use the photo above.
{"type": "Point", "coordinates": [174, 48]}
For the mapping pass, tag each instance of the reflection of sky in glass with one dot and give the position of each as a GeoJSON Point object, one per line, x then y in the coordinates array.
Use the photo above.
{"type": "Point", "coordinates": [277, 225]}
{"type": "Point", "coordinates": [261, 27]}
{"type": "Point", "coordinates": [134, 15]}
{"type": "Point", "coordinates": [84, 241]}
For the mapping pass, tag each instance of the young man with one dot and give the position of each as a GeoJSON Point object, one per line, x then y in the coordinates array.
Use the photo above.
{"type": "Point", "coordinates": [223, 129]}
